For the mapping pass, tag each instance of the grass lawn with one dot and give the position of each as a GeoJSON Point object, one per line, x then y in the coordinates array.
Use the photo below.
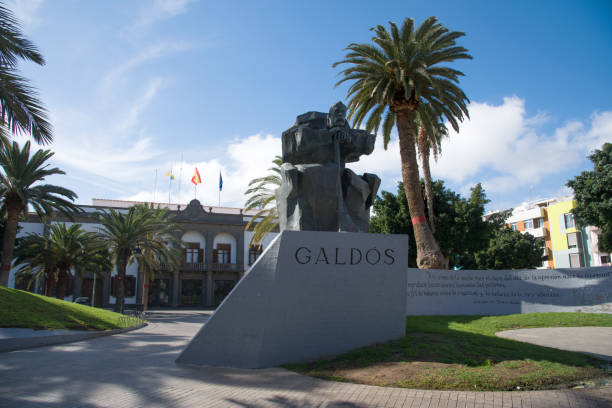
{"type": "Point", "coordinates": [24, 309]}
{"type": "Point", "coordinates": [462, 353]}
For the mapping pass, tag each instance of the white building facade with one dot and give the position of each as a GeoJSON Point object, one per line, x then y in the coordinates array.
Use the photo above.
{"type": "Point", "coordinates": [216, 255]}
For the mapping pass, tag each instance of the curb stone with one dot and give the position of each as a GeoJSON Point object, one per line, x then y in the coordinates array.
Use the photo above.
{"type": "Point", "coordinates": [22, 343]}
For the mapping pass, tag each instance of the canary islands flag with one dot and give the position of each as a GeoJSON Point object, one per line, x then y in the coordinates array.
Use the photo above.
{"type": "Point", "coordinates": [170, 175]}
{"type": "Point", "coordinates": [196, 177]}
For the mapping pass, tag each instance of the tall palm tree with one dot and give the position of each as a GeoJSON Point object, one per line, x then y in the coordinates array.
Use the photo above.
{"type": "Point", "coordinates": [263, 198]}
{"type": "Point", "coordinates": [162, 248]}
{"type": "Point", "coordinates": [396, 77]}
{"type": "Point", "coordinates": [21, 111]}
{"type": "Point", "coordinates": [429, 144]}
{"type": "Point", "coordinates": [20, 172]}
{"type": "Point", "coordinates": [131, 233]}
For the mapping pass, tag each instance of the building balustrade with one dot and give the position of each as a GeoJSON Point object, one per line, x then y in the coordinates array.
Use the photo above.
{"type": "Point", "coordinates": [226, 267]}
{"type": "Point", "coordinates": [202, 267]}
{"type": "Point", "coordinates": [536, 232]}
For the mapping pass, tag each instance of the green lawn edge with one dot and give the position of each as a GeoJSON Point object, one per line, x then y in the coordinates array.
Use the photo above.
{"type": "Point", "coordinates": [474, 355]}
{"type": "Point", "coordinates": [21, 309]}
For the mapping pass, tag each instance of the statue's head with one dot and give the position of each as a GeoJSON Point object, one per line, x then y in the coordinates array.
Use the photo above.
{"type": "Point", "coordinates": [337, 115]}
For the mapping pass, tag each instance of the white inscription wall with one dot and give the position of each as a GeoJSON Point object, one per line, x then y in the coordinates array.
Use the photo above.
{"type": "Point", "coordinates": [447, 292]}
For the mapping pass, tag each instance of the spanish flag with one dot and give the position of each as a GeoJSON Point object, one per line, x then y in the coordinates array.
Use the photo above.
{"type": "Point", "coordinates": [196, 177]}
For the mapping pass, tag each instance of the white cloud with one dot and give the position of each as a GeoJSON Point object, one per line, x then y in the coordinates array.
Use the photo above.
{"type": "Point", "coordinates": [159, 11]}
{"type": "Point", "coordinates": [115, 78]}
{"type": "Point", "coordinates": [243, 160]}
{"type": "Point", "coordinates": [26, 11]}
{"type": "Point", "coordinates": [115, 150]}
{"type": "Point", "coordinates": [600, 131]}
{"type": "Point", "coordinates": [505, 149]}
{"type": "Point", "coordinates": [501, 147]}
{"type": "Point", "coordinates": [134, 113]}
{"type": "Point", "coordinates": [380, 161]}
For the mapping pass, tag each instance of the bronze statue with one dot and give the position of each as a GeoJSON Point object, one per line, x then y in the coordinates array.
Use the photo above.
{"type": "Point", "coordinates": [318, 193]}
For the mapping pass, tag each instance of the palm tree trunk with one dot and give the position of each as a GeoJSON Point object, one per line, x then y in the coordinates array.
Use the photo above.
{"type": "Point", "coordinates": [49, 282]}
{"type": "Point", "coordinates": [145, 289]}
{"type": "Point", "coordinates": [429, 255]}
{"type": "Point", "coordinates": [13, 209]}
{"type": "Point", "coordinates": [62, 278]}
{"type": "Point", "coordinates": [424, 153]}
{"type": "Point", "coordinates": [122, 266]}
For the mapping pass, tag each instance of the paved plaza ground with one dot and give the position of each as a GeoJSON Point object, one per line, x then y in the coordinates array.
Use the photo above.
{"type": "Point", "coordinates": [137, 369]}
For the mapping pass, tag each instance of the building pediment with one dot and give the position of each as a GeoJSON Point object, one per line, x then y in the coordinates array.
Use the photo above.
{"type": "Point", "coordinates": [194, 212]}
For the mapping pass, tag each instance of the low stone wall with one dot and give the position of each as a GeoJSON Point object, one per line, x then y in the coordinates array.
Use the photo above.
{"type": "Point", "coordinates": [447, 292]}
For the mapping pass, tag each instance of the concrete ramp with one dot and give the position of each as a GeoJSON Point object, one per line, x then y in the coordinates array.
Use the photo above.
{"type": "Point", "coordinates": [311, 294]}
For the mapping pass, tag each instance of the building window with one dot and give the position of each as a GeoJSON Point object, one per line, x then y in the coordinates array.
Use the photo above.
{"type": "Point", "coordinates": [222, 289]}
{"type": "Point", "coordinates": [130, 286]}
{"type": "Point", "coordinates": [605, 259]}
{"type": "Point", "coordinates": [222, 255]}
{"type": "Point", "coordinates": [514, 226]}
{"type": "Point", "coordinates": [574, 260]}
{"type": "Point", "coordinates": [569, 220]}
{"type": "Point", "coordinates": [193, 253]}
{"type": "Point", "coordinates": [254, 252]}
{"type": "Point", "coordinates": [528, 224]}
{"type": "Point", "coordinates": [573, 240]}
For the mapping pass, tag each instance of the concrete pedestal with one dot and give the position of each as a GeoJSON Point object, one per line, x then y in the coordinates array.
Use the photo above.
{"type": "Point", "coordinates": [311, 294]}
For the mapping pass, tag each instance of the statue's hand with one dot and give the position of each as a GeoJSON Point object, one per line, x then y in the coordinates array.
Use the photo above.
{"type": "Point", "coordinates": [345, 137]}
{"type": "Point", "coordinates": [342, 135]}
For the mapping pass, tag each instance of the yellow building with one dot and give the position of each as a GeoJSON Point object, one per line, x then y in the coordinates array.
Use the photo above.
{"type": "Point", "coordinates": [567, 244]}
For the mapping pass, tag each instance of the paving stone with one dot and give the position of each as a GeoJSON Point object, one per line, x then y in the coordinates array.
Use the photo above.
{"type": "Point", "coordinates": [137, 369]}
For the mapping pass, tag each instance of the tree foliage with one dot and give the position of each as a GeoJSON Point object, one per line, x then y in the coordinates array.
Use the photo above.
{"type": "Point", "coordinates": [21, 111]}
{"type": "Point", "coordinates": [400, 76]}
{"type": "Point", "coordinates": [62, 250]}
{"type": "Point", "coordinates": [141, 233]}
{"type": "Point", "coordinates": [464, 236]}
{"type": "Point", "coordinates": [261, 197]}
{"type": "Point", "coordinates": [20, 186]}
{"type": "Point", "coordinates": [508, 249]}
{"type": "Point", "coordinates": [593, 193]}
{"type": "Point", "coordinates": [403, 68]}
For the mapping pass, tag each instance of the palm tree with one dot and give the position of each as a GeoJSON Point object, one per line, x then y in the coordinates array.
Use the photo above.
{"type": "Point", "coordinates": [160, 250]}
{"type": "Point", "coordinates": [20, 109]}
{"type": "Point", "coordinates": [55, 255]}
{"type": "Point", "coordinates": [72, 248]}
{"type": "Point", "coordinates": [263, 198]}
{"type": "Point", "coordinates": [429, 144]}
{"type": "Point", "coordinates": [34, 260]}
{"type": "Point", "coordinates": [20, 172]}
{"type": "Point", "coordinates": [134, 232]}
{"type": "Point", "coordinates": [395, 78]}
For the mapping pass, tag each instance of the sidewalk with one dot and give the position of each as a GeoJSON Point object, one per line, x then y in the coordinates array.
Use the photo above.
{"type": "Point", "coordinates": [12, 339]}
{"type": "Point", "coordinates": [137, 369]}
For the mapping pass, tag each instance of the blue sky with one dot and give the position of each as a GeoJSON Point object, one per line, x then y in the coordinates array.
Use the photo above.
{"type": "Point", "coordinates": [134, 86]}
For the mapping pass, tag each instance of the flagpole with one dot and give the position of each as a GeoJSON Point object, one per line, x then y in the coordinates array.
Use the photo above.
{"type": "Point", "coordinates": [180, 179]}
{"type": "Point", "coordinates": [220, 187]}
{"type": "Point", "coordinates": [169, 185]}
{"type": "Point", "coordinates": [155, 187]}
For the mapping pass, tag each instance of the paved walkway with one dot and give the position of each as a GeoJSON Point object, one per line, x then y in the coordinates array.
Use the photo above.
{"type": "Point", "coordinates": [137, 369]}
{"type": "Point", "coordinates": [596, 341]}
{"type": "Point", "coordinates": [12, 333]}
